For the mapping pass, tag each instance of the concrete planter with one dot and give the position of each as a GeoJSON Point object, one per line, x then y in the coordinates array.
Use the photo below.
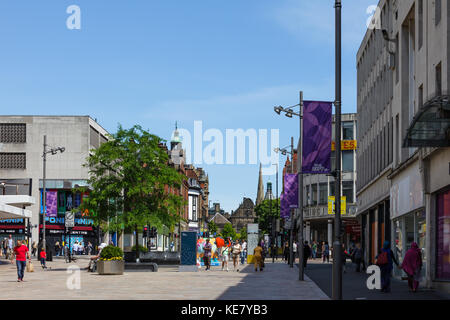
{"type": "Point", "coordinates": [111, 267]}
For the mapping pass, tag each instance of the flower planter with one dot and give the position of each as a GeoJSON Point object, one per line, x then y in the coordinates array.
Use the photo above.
{"type": "Point", "coordinates": [114, 267]}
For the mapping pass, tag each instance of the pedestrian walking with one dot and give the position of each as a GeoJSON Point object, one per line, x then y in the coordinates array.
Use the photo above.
{"type": "Point", "coordinates": [344, 257]}
{"type": "Point", "coordinates": [89, 248]}
{"type": "Point", "coordinates": [57, 248]}
{"type": "Point", "coordinates": [207, 255]}
{"type": "Point", "coordinates": [225, 256]}
{"type": "Point", "coordinates": [385, 260]}
{"type": "Point", "coordinates": [306, 254]}
{"type": "Point", "coordinates": [258, 258]}
{"type": "Point", "coordinates": [244, 252]}
{"type": "Point", "coordinates": [21, 252]}
{"type": "Point", "coordinates": [33, 249]}
{"type": "Point", "coordinates": [357, 255]}
{"type": "Point", "coordinates": [286, 251]}
{"type": "Point", "coordinates": [236, 252]}
{"type": "Point", "coordinates": [5, 247]}
{"type": "Point", "coordinates": [412, 265]}
{"type": "Point", "coordinates": [325, 252]}
{"type": "Point", "coordinates": [43, 256]}
{"type": "Point", "coordinates": [314, 249]}
{"type": "Point", "coordinates": [294, 250]}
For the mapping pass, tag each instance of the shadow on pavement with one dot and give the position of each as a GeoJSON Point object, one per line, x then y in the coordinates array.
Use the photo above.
{"type": "Point", "coordinates": [354, 285]}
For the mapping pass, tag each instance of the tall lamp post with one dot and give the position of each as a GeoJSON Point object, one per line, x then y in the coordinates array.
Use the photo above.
{"type": "Point", "coordinates": [278, 209]}
{"type": "Point", "coordinates": [291, 227]}
{"type": "Point", "coordinates": [53, 151]}
{"type": "Point", "coordinates": [290, 113]}
{"type": "Point", "coordinates": [337, 250]}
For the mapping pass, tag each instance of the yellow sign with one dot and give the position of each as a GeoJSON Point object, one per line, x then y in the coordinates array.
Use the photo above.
{"type": "Point", "coordinates": [331, 208]}
{"type": "Point", "coordinates": [345, 145]}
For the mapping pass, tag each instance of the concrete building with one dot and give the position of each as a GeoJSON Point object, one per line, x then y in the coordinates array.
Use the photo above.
{"type": "Point", "coordinates": [403, 186]}
{"type": "Point", "coordinates": [21, 149]}
{"type": "Point", "coordinates": [318, 223]}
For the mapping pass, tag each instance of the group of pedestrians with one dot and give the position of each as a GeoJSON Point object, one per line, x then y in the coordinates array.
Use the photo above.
{"type": "Point", "coordinates": [237, 251]}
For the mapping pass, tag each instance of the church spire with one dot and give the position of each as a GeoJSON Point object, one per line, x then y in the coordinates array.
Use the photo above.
{"type": "Point", "coordinates": [260, 194]}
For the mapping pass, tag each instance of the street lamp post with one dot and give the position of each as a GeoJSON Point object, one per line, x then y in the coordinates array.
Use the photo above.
{"type": "Point", "coordinates": [53, 151]}
{"type": "Point", "coordinates": [291, 227]}
{"type": "Point", "coordinates": [290, 113]}
{"type": "Point", "coordinates": [337, 250]}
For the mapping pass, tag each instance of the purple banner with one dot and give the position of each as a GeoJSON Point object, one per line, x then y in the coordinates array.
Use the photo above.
{"type": "Point", "coordinates": [52, 203]}
{"type": "Point", "coordinates": [284, 207]}
{"type": "Point", "coordinates": [316, 137]}
{"type": "Point", "coordinates": [291, 190]}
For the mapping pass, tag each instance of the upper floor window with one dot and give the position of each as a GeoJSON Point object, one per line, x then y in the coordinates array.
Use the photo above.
{"type": "Point", "coordinates": [13, 133]}
{"type": "Point", "coordinates": [12, 160]}
{"type": "Point", "coordinates": [347, 130]}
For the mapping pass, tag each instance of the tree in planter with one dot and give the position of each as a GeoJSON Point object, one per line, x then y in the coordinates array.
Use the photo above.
{"type": "Point", "coordinates": [129, 182]}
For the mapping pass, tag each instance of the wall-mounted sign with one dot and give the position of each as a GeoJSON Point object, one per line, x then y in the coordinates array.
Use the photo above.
{"type": "Point", "coordinates": [345, 145]}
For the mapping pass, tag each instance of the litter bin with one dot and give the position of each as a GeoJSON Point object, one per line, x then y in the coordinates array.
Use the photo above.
{"type": "Point", "coordinates": [49, 254]}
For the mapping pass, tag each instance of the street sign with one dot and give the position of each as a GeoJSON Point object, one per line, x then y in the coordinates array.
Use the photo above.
{"type": "Point", "coordinates": [331, 207]}
{"type": "Point", "coordinates": [69, 219]}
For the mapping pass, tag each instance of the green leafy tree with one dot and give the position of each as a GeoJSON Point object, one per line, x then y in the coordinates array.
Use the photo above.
{"type": "Point", "coordinates": [228, 231]}
{"type": "Point", "coordinates": [243, 233]}
{"type": "Point", "coordinates": [212, 227]}
{"type": "Point", "coordinates": [129, 182]}
{"type": "Point", "coordinates": [264, 215]}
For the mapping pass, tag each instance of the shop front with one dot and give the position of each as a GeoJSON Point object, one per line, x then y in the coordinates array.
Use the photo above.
{"type": "Point", "coordinates": [408, 216]}
{"type": "Point", "coordinates": [14, 227]}
{"type": "Point", "coordinates": [443, 235]}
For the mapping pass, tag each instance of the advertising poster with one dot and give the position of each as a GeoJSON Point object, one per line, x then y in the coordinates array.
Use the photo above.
{"type": "Point", "coordinates": [214, 252]}
{"type": "Point", "coordinates": [52, 203]}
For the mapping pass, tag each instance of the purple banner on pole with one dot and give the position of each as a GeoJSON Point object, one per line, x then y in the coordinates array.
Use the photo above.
{"type": "Point", "coordinates": [52, 204]}
{"type": "Point", "coordinates": [284, 207]}
{"type": "Point", "coordinates": [316, 156]}
{"type": "Point", "coordinates": [291, 190]}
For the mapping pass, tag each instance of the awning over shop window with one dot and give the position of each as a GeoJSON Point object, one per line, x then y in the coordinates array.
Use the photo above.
{"type": "Point", "coordinates": [431, 125]}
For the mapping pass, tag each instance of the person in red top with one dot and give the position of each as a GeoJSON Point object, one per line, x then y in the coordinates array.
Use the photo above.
{"type": "Point", "coordinates": [43, 256]}
{"type": "Point", "coordinates": [21, 252]}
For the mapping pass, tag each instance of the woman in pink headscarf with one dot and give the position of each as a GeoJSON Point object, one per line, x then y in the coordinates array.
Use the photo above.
{"type": "Point", "coordinates": [412, 265]}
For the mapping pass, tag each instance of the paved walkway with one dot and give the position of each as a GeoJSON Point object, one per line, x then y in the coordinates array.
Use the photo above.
{"type": "Point", "coordinates": [277, 282]}
{"type": "Point", "coordinates": [354, 285]}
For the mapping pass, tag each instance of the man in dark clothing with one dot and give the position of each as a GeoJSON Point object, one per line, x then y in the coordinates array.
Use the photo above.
{"type": "Point", "coordinates": [306, 253]}
{"type": "Point", "coordinates": [357, 255]}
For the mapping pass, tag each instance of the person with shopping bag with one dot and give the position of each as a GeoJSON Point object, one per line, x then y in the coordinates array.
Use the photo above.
{"type": "Point", "coordinates": [22, 253]}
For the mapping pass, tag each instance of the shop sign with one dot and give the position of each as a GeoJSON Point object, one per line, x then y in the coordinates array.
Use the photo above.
{"type": "Point", "coordinates": [406, 192]}
{"type": "Point", "coordinates": [345, 145]}
{"type": "Point", "coordinates": [331, 206]}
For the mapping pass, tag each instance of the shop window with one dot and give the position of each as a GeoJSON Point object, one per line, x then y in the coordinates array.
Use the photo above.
{"type": "Point", "coordinates": [398, 245]}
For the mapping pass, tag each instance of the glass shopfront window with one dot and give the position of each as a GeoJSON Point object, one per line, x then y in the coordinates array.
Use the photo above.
{"type": "Point", "coordinates": [406, 230]}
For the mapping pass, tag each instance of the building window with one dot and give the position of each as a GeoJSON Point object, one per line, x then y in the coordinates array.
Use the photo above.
{"type": "Point", "coordinates": [347, 130]}
{"type": "Point", "coordinates": [323, 193]}
{"type": "Point", "coordinates": [13, 133]}
{"type": "Point", "coordinates": [347, 190]}
{"type": "Point", "coordinates": [437, 11]}
{"type": "Point", "coordinates": [12, 160]}
{"type": "Point", "coordinates": [347, 161]}
{"type": "Point", "coordinates": [314, 194]}
{"type": "Point", "coordinates": [439, 79]}
{"type": "Point", "coordinates": [332, 188]}
{"type": "Point", "coordinates": [194, 208]}
{"type": "Point", "coordinates": [420, 23]}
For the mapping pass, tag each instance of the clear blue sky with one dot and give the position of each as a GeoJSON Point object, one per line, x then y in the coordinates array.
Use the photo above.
{"type": "Point", "coordinates": [154, 62]}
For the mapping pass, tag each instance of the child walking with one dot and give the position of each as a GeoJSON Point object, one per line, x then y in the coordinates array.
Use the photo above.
{"type": "Point", "coordinates": [43, 256]}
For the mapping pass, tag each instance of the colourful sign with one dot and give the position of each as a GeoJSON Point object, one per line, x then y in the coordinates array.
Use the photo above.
{"type": "Point", "coordinates": [331, 207]}
{"type": "Point", "coordinates": [345, 145]}
{"type": "Point", "coordinates": [214, 252]}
